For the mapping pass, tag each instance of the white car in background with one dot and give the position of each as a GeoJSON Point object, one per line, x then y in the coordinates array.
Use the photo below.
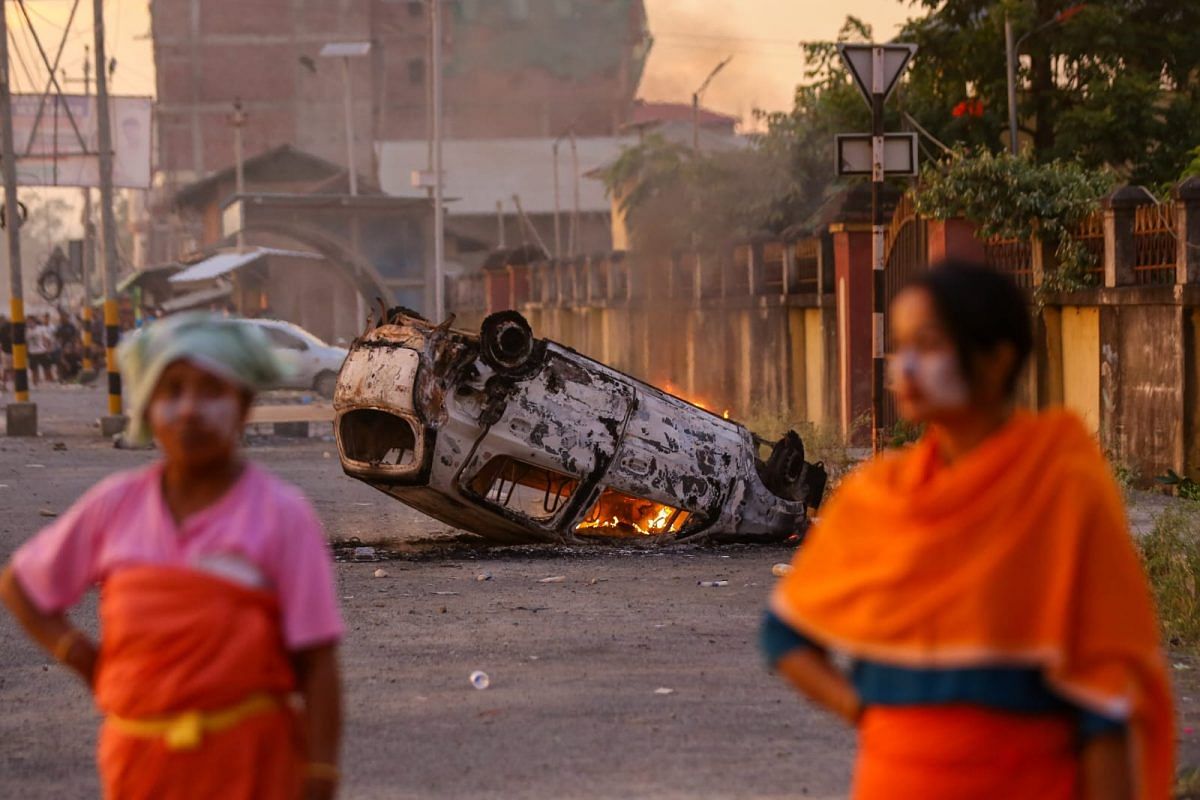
{"type": "Point", "coordinates": [315, 364]}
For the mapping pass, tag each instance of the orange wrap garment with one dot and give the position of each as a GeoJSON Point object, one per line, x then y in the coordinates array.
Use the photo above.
{"type": "Point", "coordinates": [1016, 555]}
{"type": "Point", "coordinates": [177, 641]}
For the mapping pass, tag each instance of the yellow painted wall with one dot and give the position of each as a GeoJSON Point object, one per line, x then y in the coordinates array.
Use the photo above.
{"type": "Point", "coordinates": [1081, 363]}
{"type": "Point", "coordinates": [814, 367]}
{"type": "Point", "coordinates": [797, 372]}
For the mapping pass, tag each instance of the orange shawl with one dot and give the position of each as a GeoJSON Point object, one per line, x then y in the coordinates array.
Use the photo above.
{"type": "Point", "coordinates": [1019, 554]}
{"type": "Point", "coordinates": [177, 641]}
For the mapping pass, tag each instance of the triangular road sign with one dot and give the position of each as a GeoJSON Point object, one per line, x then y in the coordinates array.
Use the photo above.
{"type": "Point", "coordinates": [860, 60]}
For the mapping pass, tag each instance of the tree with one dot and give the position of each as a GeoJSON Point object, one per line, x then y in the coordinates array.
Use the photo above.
{"type": "Point", "coordinates": [1112, 83]}
{"type": "Point", "coordinates": [676, 199]}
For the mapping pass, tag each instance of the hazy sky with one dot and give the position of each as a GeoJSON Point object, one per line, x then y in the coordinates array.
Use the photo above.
{"type": "Point", "coordinates": [691, 36]}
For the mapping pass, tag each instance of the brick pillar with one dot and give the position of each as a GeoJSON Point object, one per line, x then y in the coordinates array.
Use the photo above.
{"type": "Point", "coordinates": [1119, 210]}
{"type": "Point", "coordinates": [1187, 231]}
{"type": "Point", "coordinates": [953, 239]}
{"type": "Point", "coordinates": [496, 284]}
{"type": "Point", "coordinates": [520, 288]}
{"type": "Point", "coordinates": [852, 293]}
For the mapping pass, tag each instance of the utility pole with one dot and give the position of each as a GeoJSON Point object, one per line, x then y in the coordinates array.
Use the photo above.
{"type": "Point", "coordinates": [22, 414]}
{"type": "Point", "coordinates": [557, 205]}
{"type": "Point", "coordinates": [439, 219]}
{"type": "Point", "coordinates": [114, 423]}
{"type": "Point", "coordinates": [238, 120]}
{"type": "Point", "coordinates": [89, 238]}
{"type": "Point", "coordinates": [574, 237]}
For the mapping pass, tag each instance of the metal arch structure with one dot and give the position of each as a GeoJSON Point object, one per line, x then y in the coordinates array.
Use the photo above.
{"type": "Point", "coordinates": [359, 270]}
{"type": "Point", "coordinates": [345, 230]}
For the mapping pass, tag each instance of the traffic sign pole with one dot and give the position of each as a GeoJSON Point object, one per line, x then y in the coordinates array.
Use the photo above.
{"type": "Point", "coordinates": [876, 70]}
{"type": "Point", "coordinates": [878, 282]}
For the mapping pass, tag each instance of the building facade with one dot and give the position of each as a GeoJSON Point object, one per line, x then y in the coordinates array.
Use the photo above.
{"type": "Point", "coordinates": [513, 68]}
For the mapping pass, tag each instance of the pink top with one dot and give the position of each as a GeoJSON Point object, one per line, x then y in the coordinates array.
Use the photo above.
{"type": "Point", "coordinates": [262, 532]}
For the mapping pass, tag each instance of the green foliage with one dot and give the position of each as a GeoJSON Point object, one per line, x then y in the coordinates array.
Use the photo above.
{"type": "Point", "coordinates": [1171, 555]}
{"type": "Point", "coordinates": [1015, 197]}
{"type": "Point", "coordinates": [1186, 488]}
{"type": "Point", "coordinates": [1107, 94]}
{"type": "Point", "coordinates": [902, 434]}
{"type": "Point", "coordinates": [1193, 167]}
{"type": "Point", "coordinates": [1113, 85]}
{"type": "Point", "coordinates": [675, 198]}
{"type": "Point", "coordinates": [1125, 475]}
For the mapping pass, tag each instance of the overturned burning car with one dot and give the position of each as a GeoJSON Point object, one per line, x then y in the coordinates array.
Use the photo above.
{"type": "Point", "coordinates": [522, 440]}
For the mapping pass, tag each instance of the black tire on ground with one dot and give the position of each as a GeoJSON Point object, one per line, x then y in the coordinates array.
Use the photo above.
{"type": "Point", "coordinates": [325, 384]}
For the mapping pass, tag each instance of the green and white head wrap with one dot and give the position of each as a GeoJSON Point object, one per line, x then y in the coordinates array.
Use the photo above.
{"type": "Point", "coordinates": [232, 349]}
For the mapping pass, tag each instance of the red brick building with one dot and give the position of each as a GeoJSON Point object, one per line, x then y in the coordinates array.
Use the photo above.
{"type": "Point", "coordinates": [513, 68]}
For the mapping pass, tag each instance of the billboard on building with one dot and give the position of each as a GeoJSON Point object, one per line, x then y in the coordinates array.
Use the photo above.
{"type": "Point", "coordinates": [56, 140]}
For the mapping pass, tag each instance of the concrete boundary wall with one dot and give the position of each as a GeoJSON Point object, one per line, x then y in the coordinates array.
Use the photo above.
{"type": "Point", "coordinates": [782, 329]}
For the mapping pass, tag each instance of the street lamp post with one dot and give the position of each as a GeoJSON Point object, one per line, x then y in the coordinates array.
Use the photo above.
{"type": "Point", "coordinates": [346, 51]}
{"type": "Point", "coordinates": [696, 102]}
{"type": "Point", "coordinates": [1012, 50]}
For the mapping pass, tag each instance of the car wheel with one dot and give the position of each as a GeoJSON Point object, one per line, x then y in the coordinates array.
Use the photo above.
{"type": "Point", "coordinates": [325, 384]}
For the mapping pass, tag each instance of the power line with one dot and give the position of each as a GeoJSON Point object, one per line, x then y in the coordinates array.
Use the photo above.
{"type": "Point", "coordinates": [16, 49]}
{"type": "Point", "coordinates": [727, 48]}
{"type": "Point", "coordinates": [726, 39]}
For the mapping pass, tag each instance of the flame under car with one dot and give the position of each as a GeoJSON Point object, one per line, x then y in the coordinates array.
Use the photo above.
{"type": "Point", "coordinates": [522, 440]}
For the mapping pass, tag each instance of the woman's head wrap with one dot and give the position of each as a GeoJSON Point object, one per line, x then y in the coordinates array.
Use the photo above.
{"type": "Point", "coordinates": [232, 349]}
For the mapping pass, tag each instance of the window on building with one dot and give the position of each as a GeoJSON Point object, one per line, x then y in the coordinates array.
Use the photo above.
{"type": "Point", "coordinates": [416, 71]}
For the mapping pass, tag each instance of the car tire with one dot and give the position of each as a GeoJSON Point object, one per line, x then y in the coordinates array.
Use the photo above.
{"type": "Point", "coordinates": [325, 384]}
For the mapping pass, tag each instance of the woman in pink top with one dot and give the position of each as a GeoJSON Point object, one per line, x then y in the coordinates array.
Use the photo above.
{"type": "Point", "coordinates": [217, 601]}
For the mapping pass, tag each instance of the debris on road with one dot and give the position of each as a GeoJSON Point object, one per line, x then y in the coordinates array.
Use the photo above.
{"type": "Point", "coordinates": [364, 554]}
{"type": "Point", "coordinates": [554, 579]}
{"type": "Point", "coordinates": [480, 680]}
{"type": "Point", "coordinates": [664, 690]}
{"type": "Point", "coordinates": [710, 584]}
{"type": "Point", "coordinates": [381, 573]}
{"type": "Point", "coordinates": [779, 570]}
{"type": "Point", "coordinates": [45, 512]}
{"type": "Point", "coordinates": [483, 576]}
{"type": "Point", "coordinates": [519, 439]}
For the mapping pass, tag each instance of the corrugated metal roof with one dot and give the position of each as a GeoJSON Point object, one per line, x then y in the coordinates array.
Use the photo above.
{"type": "Point", "coordinates": [197, 298]}
{"type": "Point", "coordinates": [222, 263]}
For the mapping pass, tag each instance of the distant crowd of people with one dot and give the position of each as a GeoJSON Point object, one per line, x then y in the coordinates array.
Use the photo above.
{"type": "Point", "coordinates": [54, 343]}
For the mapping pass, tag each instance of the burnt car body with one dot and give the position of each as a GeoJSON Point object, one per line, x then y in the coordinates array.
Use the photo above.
{"type": "Point", "coordinates": [523, 440]}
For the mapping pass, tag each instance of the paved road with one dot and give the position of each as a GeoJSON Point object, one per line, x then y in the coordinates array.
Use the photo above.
{"type": "Point", "coordinates": [572, 711]}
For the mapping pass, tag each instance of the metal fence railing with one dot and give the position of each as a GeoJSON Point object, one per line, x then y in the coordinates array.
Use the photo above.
{"type": "Point", "coordinates": [1154, 244]}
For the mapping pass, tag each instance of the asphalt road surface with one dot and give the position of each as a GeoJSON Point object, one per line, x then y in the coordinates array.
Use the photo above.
{"type": "Point", "coordinates": [626, 679]}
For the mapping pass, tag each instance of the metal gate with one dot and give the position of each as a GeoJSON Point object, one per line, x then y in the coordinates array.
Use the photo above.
{"type": "Point", "coordinates": [906, 248]}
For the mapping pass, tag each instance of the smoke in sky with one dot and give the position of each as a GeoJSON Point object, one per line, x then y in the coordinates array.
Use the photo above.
{"type": "Point", "coordinates": [763, 36]}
